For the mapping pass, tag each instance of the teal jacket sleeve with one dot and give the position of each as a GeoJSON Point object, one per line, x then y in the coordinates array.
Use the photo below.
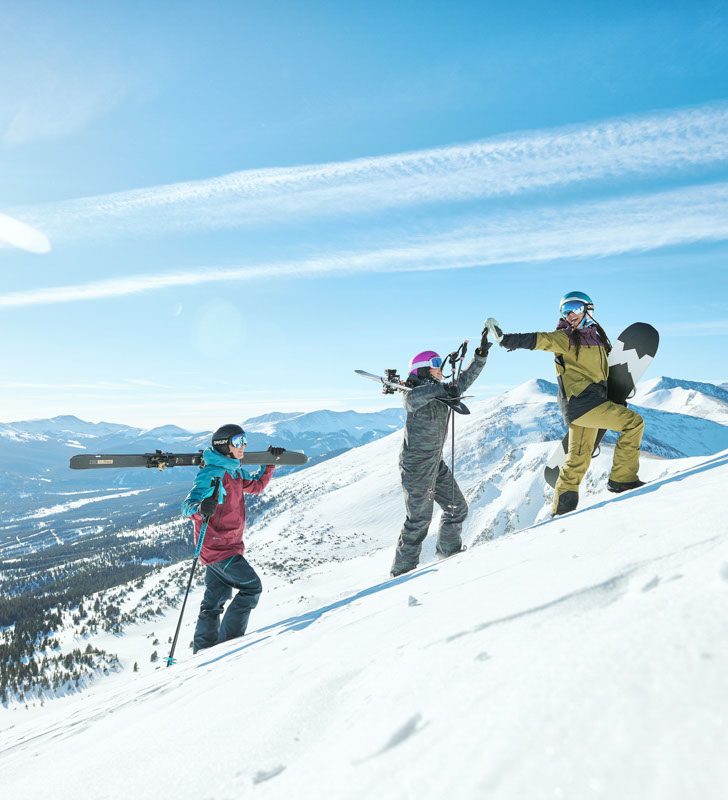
{"type": "Point", "coordinates": [202, 487]}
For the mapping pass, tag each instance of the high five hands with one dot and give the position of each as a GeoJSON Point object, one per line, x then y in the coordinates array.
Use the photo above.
{"type": "Point", "coordinates": [491, 326]}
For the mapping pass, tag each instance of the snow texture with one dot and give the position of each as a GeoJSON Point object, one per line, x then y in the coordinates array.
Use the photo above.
{"type": "Point", "coordinates": [584, 656]}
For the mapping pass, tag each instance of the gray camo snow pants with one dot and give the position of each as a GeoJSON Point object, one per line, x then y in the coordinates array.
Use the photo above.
{"type": "Point", "coordinates": [419, 501]}
{"type": "Point", "coordinates": [220, 580]}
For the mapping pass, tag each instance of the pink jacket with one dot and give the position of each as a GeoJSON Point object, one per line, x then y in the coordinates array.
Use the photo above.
{"type": "Point", "coordinates": [224, 534]}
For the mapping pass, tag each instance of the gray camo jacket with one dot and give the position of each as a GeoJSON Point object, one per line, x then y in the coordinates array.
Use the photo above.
{"type": "Point", "coordinates": [424, 427]}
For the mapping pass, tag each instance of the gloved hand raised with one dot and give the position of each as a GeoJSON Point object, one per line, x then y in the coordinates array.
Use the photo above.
{"type": "Point", "coordinates": [276, 451]}
{"type": "Point", "coordinates": [491, 325]}
{"type": "Point", "coordinates": [485, 345]}
{"type": "Point", "coordinates": [208, 506]}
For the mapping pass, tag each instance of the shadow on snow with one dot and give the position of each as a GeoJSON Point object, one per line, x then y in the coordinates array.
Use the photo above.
{"type": "Point", "coordinates": [304, 620]}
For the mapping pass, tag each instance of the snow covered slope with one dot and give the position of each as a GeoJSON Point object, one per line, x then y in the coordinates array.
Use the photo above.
{"type": "Point", "coordinates": [584, 657]}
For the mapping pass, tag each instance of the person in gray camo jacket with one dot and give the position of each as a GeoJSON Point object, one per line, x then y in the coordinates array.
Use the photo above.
{"type": "Point", "coordinates": [426, 478]}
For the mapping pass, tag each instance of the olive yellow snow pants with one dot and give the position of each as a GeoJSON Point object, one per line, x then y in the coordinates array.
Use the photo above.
{"type": "Point", "coordinates": [582, 434]}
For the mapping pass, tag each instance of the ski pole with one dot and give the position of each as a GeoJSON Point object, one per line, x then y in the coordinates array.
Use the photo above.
{"type": "Point", "coordinates": [464, 350]}
{"type": "Point", "coordinates": [452, 358]}
{"type": "Point", "coordinates": [170, 658]}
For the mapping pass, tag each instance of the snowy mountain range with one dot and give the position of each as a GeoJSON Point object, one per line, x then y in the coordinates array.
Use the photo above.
{"type": "Point", "coordinates": [42, 501]}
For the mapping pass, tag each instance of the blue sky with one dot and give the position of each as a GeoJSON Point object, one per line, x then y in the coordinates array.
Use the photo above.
{"type": "Point", "coordinates": [210, 211]}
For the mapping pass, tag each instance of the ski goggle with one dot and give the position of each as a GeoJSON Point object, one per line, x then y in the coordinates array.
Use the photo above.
{"type": "Point", "coordinates": [239, 440]}
{"type": "Point", "coordinates": [572, 307]}
{"type": "Point", "coordinates": [435, 363]}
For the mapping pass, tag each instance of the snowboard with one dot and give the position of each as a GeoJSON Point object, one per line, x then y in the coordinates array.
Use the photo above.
{"type": "Point", "coordinates": [160, 460]}
{"type": "Point", "coordinates": [631, 354]}
{"type": "Point", "coordinates": [455, 403]}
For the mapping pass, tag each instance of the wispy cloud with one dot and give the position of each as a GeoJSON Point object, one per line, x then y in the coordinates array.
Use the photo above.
{"type": "Point", "coordinates": [656, 144]}
{"type": "Point", "coordinates": [14, 233]}
{"type": "Point", "coordinates": [597, 229]}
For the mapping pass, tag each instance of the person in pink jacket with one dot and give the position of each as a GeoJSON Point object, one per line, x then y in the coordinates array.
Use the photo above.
{"type": "Point", "coordinates": [222, 547]}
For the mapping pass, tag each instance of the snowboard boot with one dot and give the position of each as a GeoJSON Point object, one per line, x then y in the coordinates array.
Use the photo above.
{"type": "Point", "coordinates": [617, 486]}
{"type": "Point", "coordinates": [568, 501]}
{"type": "Point", "coordinates": [397, 571]}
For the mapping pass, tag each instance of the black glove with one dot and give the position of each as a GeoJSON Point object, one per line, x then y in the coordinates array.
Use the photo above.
{"type": "Point", "coordinates": [208, 506]}
{"type": "Point", "coordinates": [485, 345]}
{"type": "Point", "coordinates": [276, 451]}
{"type": "Point", "coordinates": [452, 389]}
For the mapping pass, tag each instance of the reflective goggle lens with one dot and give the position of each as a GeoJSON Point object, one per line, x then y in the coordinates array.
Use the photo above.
{"type": "Point", "coordinates": [436, 363]}
{"type": "Point", "coordinates": [239, 440]}
{"type": "Point", "coordinates": [572, 306]}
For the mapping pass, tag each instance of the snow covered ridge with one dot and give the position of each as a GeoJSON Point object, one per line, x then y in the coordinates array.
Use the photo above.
{"type": "Point", "coordinates": [704, 400]}
{"type": "Point", "coordinates": [582, 657]}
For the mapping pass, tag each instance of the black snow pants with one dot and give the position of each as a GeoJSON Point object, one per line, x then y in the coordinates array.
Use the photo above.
{"type": "Point", "coordinates": [220, 580]}
{"type": "Point", "coordinates": [419, 499]}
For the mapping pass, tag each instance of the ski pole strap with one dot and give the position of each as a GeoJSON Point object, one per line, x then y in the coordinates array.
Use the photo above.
{"type": "Point", "coordinates": [201, 537]}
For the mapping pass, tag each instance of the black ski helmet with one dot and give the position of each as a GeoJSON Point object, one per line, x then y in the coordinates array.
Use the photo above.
{"type": "Point", "coordinates": [222, 436]}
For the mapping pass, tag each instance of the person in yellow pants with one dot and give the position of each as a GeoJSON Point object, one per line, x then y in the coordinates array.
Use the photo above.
{"type": "Point", "coordinates": [582, 433]}
{"type": "Point", "coordinates": [580, 347]}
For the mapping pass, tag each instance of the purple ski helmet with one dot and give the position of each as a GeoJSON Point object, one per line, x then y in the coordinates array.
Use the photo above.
{"type": "Point", "coordinates": [427, 358]}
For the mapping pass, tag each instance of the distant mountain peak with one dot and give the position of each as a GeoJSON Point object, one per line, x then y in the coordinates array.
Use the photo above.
{"type": "Point", "coordinates": [166, 430]}
{"type": "Point", "coordinates": [531, 391]}
{"type": "Point", "coordinates": [665, 383]}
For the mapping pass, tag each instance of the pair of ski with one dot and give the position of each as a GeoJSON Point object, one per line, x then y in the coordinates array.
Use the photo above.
{"type": "Point", "coordinates": [454, 403]}
{"type": "Point", "coordinates": [161, 461]}
{"type": "Point", "coordinates": [631, 354]}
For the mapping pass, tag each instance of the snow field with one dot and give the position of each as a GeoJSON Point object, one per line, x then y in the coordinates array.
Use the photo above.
{"type": "Point", "coordinates": [584, 657]}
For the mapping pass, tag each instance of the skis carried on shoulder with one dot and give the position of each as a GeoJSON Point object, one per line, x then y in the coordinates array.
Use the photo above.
{"type": "Point", "coordinates": [392, 384]}
{"type": "Point", "coordinates": [161, 461]}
